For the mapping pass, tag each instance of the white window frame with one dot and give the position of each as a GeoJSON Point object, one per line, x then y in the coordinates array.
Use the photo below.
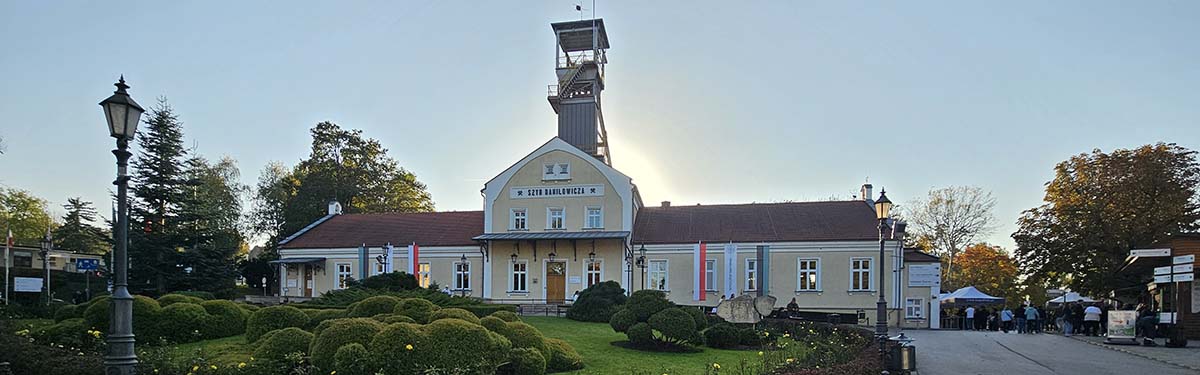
{"type": "Point", "coordinates": [378, 269]}
{"type": "Point", "coordinates": [550, 218]}
{"type": "Point", "coordinates": [587, 218]}
{"type": "Point", "coordinates": [802, 272]}
{"type": "Point", "coordinates": [423, 274]}
{"type": "Point", "coordinates": [556, 171]}
{"type": "Point", "coordinates": [666, 274]}
{"type": "Point", "coordinates": [909, 306]}
{"type": "Point", "coordinates": [461, 275]}
{"type": "Point", "coordinates": [339, 280]}
{"type": "Point", "coordinates": [747, 275]}
{"type": "Point", "coordinates": [588, 272]}
{"type": "Point", "coordinates": [512, 219]}
{"type": "Point", "coordinates": [513, 273]}
{"type": "Point", "coordinates": [855, 272]}
{"type": "Point", "coordinates": [710, 275]}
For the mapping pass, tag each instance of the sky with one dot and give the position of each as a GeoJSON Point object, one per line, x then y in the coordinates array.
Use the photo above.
{"type": "Point", "coordinates": [706, 102]}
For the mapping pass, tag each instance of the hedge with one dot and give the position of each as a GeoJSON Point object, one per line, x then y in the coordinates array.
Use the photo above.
{"type": "Point", "coordinates": [281, 342]}
{"type": "Point", "coordinates": [523, 335]}
{"type": "Point", "coordinates": [496, 325]}
{"type": "Point", "coordinates": [393, 318]}
{"type": "Point", "coordinates": [457, 346]}
{"type": "Point", "coordinates": [342, 332]}
{"type": "Point", "coordinates": [272, 318]}
{"type": "Point", "coordinates": [722, 336]}
{"type": "Point", "coordinates": [372, 306]}
{"type": "Point", "coordinates": [225, 318]}
{"type": "Point", "coordinates": [598, 302]}
{"type": "Point", "coordinates": [26, 357]}
{"type": "Point", "coordinates": [698, 316]}
{"type": "Point", "coordinates": [174, 298]}
{"type": "Point", "coordinates": [622, 320]}
{"type": "Point", "coordinates": [353, 359]}
{"type": "Point", "coordinates": [646, 302]}
{"type": "Point", "coordinates": [525, 361]}
{"type": "Point", "coordinates": [70, 333]}
{"type": "Point", "coordinates": [181, 322]}
{"type": "Point", "coordinates": [197, 293]}
{"type": "Point", "coordinates": [508, 316]}
{"type": "Point", "coordinates": [145, 314]}
{"type": "Point", "coordinates": [398, 346]}
{"type": "Point", "coordinates": [675, 326]}
{"type": "Point", "coordinates": [416, 308]}
{"type": "Point", "coordinates": [641, 335]}
{"type": "Point", "coordinates": [69, 312]}
{"type": "Point", "coordinates": [454, 313]}
{"type": "Point", "coordinates": [488, 310]}
{"type": "Point", "coordinates": [561, 356]}
{"type": "Point", "coordinates": [316, 316]}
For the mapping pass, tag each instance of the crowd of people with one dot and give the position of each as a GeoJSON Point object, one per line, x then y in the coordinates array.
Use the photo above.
{"type": "Point", "coordinates": [1070, 319]}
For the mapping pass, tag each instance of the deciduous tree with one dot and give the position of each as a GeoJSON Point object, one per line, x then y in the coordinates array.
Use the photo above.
{"type": "Point", "coordinates": [950, 218]}
{"type": "Point", "coordinates": [988, 268]}
{"type": "Point", "coordinates": [25, 214]}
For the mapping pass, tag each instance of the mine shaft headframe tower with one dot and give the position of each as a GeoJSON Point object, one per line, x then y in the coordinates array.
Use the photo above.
{"type": "Point", "coordinates": [579, 59]}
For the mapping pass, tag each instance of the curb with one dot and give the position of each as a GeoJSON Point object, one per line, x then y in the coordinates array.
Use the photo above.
{"type": "Point", "coordinates": [1133, 353]}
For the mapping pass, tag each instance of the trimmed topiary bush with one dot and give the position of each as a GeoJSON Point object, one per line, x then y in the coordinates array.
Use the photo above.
{"type": "Point", "coordinates": [751, 337]}
{"type": "Point", "coordinates": [393, 281]}
{"type": "Point", "coordinates": [225, 318]}
{"type": "Point", "coordinates": [181, 322]}
{"type": "Point", "coordinates": [197, 293]}
{"type": "Point", "coordinates": [674, 326]}
{"type": "Point", "coordinates": [341, 332]}
{"type": "Point", "coordinates": [69, 312]}
{"type": "Point", "coordinates": [316, 316]}
{"type": "Point", "coordinates": [70, 333]}
{"type": "Point", "coordinates": [641, 335]}
{"type": "Point", "coordinates": [393, 318]}
{"type": "Point", "coordinates": [272, 318]}
{"type": "Point", "coordinates": [646, 302]}
{"type": "Point", "coordinates": [561, 356]}
{"type": "Point", "coordinates": [622, 320]}
{"type": "Point", "coordinates": [353, 359]}
{"type": "Point", "coordinates": [507, 316]}
{"type": "Point", "coordinates": [598, 302]}
{"type": "Point", "coordinates": [145, 314]}
{"type": "Point", "coordinates": [454, 313]}
{"type": "Point", "coordinates": [398, 347]}
{"type": "Point", "coordinates": [496, 325]}
{"type": "Point", "coordinates": [524, 361]}
{"type": "Point", "coordinates": [372, 306]}
{"type": "Point", "coordinates": [174, 298]}
{"type": "Point", "coordinates": [697, 316]}
{"type": "Point", "coordinates": [524, 336]}
{"type": "Point", "coordinates": [417, 308]}
{"type": "Point", "coordinates": [456, 346]}
{"type": "Point", "coordinates": [723, 336]}
{"type": "Point", "coordinates": [279, 343]}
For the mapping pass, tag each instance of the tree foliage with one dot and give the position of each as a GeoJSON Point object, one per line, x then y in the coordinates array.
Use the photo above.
{"type": "Point", "coordinates": [25, 215]}
{"type": "Point", "coordinates": [158, 191]}
{"type": "Point", "coordinates": [950, 218]}
{"type": "Point", "coordinates": [210, 225]}
{"type": "Point", "coordinates": [78, 231]}
{"type": "Point", "coordinates": [1099, 206]}
{"type": "Point", "coordinates": [988, 268]}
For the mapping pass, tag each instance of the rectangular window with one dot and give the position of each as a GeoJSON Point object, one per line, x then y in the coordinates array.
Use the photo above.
{"type": "Point", "coordinates": [710, 275]}
{"type": "Point", "coordinates": [808, 275]}
{"type": "Point", "coordinates": [914, 308]}
{"type": "Point", "coordinates": [379, 267]}
{"type": "Point", "coordinates": [751, 274]}
{"type": "Point", "coordinates": [518, 276]}
{"type": "Point", "coordinates": [462, 275]}
{"type": "Point", "coordinates": [22, 259]}
{"type": "Point", "coordinates": [860, 274]}
{"type": "Point", "coordinates": [518, 221]}
{"type": "Point", "coordinates": [595, 218]}
{"type": "Point", "coordinates": [343, 273]}
{"type": "Point", "coordinates": [555, 218]}
{"type": "Point", "coordinates": [556, 171]}
{"type": "Point", "coordinates": [423, 275]}
{"type": "Point", "coordinates": [657, 275]}
{"type": "Point", "coordinates": [593, 272]}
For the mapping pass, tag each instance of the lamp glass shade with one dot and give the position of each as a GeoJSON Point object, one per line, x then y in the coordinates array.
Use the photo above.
{"type": "Point", "coordinates": [883, 207]}
{"type": "Point", "coordinates": [122, 113]}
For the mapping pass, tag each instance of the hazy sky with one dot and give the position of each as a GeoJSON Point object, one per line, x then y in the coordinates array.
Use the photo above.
{"type": "Point", "coordinates": [706, 102]}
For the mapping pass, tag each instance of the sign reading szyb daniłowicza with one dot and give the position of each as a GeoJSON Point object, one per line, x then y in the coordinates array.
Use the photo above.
{"type": "Point", "coordinates": [560, 191]}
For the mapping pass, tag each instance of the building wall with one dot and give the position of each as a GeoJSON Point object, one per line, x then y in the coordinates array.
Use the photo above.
{"type": "Point", "coordinates": [582, 173]}
{"type": "Point", "coordinates": [440, 259]}
{"type": "Point", "coordinates": [610, 253]}
{"type": "Point", "coordinates": [59, 260]}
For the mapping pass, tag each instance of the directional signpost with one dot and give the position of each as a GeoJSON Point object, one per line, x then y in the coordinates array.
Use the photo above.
{"type": "Point", "coordinates": [88, 266]}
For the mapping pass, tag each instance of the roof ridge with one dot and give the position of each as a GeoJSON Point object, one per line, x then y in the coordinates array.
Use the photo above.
{"type": "Point", "coordinates": [752, 204]}
{"type": "Point", "coordinates": [407, 213]}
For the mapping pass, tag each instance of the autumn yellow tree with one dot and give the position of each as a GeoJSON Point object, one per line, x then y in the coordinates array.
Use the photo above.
{"type": "Point", "coordinates": [988, 268]}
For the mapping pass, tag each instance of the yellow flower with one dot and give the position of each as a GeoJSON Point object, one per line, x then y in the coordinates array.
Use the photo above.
{"type": "Point", "coordinates": [214, 367]}
{"type": "Point", "coordinates": [716, 365]}
{"type": "Point", "coordinates": [242, 365]}
{"type": "Point", "coordinates": [333, 372]}
{"type": "Point", "coordinates": [760, 354]}
{"type": "Point", "coordinates": [790, 360]}
{"type": "Point", "coordinates": [196, 367]}
{"type": "Point", "coordinates": [408, 347]}
{"type": "Point", "coordinates": [251, 358]}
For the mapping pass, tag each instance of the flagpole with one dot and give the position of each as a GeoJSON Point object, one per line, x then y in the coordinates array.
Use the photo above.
{"type": "Point", "coordinates": [7, 249]}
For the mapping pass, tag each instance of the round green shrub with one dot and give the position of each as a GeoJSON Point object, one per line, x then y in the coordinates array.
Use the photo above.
{"type": "Point", "coordinates": [174, 298]}
{"type": "Point", "coordinates": [316, 316]}
{"type": "Point", "coordinates": [722, 336]}
{"type": "Point", "coordinates": [181, 322]}
{"type": "Point", "coordinates": [495, 324]}
{"type": "Point", "coordinates": [342, 332]}
{"type": "Point", "coordinates": [353, 359]}
{"type": "Point", "coordinates": [279, 343]}
{"type": "Point", "coordinates": [751, 337]}
{"type": "Point", "coordinates": [463, 347]}
{"type": "Point", "coordinates": [69, 312]}
{"type": "Point", "coordinates": [70, 333]}
{"type": "Point", "coordinates": [417, 308]}
{"type": "Point", "coordinates": [272, 318]}
{"type": "Point", "coordinates": [646, 302]}
{"type": "Point", "coordinates": [372, 306]}
{"type": "Point", "coordinates": [641, 335]}
{"type": "Point", "coordinates": [225, 318]}
{"type": "Point", "coordinates": [697, 316]}
{"type": "Point", "coordinates": [523, 335]}
{"type": "Point", "coordinates": [561, 356]}
{"type": "Point", "coordinates": [454, 313]}
{"type": "Point", "coordinates": [675, 325]}
{"type": "Point", "coordinates": [145, 314]}
{"type": "Point", "coordinates": [197, 293]}
{"type": "Point", "coordinates": [393, 318]}
{"type": "Point", "coordinates": [507, 316]}
{"type": "Point", "coordinates": [249, 307]}
{"type": "Point", "coordinates": [622, 320]}
{"type": "Point", "coordinates": [598, 302]}
{"type": "Point", "coordinates": [398, 347]}
{"type": "Point", "coordinates": [525, 361]}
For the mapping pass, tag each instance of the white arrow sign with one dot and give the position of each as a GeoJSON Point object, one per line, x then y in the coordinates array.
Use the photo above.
{"type": "Point", "coordinates": [1182, 268]}
{"type": "Point", "coordinates": [1184, 259]}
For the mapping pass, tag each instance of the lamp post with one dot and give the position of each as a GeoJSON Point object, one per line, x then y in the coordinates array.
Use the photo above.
{"type": "Point", "coordinates": [46, 244]}
{"type": "Point", "coordinates": [462, 288]}
{"type": "Point", "coordinates": [641, 263]}
{"type": "Point", "coordinates": [883, 206]}
{"type": "Point", "coordinates": [122, 114]}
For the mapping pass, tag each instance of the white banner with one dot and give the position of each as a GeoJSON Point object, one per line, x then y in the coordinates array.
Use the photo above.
{"type": "Point", "coordinates": [27, 284]}
{"type": "Point", "coordinates": [560, 191]}
{"type": "Point", "coordinates": [730, 270]}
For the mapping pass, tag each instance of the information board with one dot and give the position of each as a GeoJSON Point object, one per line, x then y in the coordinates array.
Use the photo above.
{"type": "Point", "coordinates": [1122, 324]}
{"type": "Point", "coordinates": [27, 284]}
{"type": "Point", "coordinates": [923, 275]}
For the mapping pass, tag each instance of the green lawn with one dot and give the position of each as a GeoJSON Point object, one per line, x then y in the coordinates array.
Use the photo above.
{"type": "Point", "coordinates": [594, 343]}
{"type": "Point", "coordinates": [227, 350]}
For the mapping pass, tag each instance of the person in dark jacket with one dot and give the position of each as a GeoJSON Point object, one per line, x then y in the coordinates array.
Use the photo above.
{"type": "Point", "coordinates": [1077, 316]}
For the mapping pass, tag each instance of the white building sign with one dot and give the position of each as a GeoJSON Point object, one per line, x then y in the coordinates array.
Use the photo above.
{"type": "Point", "coordinates": [561, 191]}
{"type": "Point", "coordinates": [923, 275]}
{"type": "Point", "coordinates": [27, 284]}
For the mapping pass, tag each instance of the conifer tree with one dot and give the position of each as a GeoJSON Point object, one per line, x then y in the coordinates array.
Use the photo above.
{"type": "Point", "coordinates": [158, 188]}
{"type": "Point", "coordinates": [78, 231]}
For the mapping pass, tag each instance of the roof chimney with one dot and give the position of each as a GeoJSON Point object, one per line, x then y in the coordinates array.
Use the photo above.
{"type": "Point", "coordinates": [866, 194]}
{"type": "Point", "coordinates": [335, 208]}
{"type": "Point", "coordinates": [666, 203]}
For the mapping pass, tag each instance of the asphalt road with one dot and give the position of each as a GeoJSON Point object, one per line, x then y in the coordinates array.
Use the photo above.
{"type": "Point", "coordinates": [965, 353]}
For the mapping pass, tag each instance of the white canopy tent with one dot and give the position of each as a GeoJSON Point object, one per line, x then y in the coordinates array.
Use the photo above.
{"type": "Point", "coordinates": [1070, 297]}
{"type": "Point", "coordinates": [971, 296]}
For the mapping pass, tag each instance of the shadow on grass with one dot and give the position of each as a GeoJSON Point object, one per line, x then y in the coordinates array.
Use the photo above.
{"type": "Point", "coordinates": [662, 348]}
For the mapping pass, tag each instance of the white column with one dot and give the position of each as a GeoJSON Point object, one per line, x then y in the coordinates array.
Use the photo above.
{"type": "Point", "coordinates": [282, 278]}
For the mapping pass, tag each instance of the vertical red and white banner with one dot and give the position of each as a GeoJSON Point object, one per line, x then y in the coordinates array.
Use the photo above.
{"type": "Point", "coordinates": [701, 255]}
{"type": "Point", "coordinates": [414, 256]}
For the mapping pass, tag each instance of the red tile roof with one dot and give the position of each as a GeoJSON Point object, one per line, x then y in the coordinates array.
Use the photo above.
{"type": "Point", "coordinates": [453, 228]}
{"type": "Point", "coordinates": [913, 255]}
{"type": "Point", "coordinates": [758, 222]}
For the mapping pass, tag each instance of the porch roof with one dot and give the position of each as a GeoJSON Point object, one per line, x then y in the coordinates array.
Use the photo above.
{"type": "Point", "coordinates": [521, 236]}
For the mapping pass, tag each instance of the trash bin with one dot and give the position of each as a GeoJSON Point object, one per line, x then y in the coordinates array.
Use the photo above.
{"type": "Point", "coordinates": [834, 318]}
{"type": "Point", "coordinates": [903, 356]}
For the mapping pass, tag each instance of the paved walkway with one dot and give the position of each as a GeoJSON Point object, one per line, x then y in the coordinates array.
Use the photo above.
{"type": "Point", "coordinates": [1183, 357]}
{"type": "Point", "coordinates": [965, 353]}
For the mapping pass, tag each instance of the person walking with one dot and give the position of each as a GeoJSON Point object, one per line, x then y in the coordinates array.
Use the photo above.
{"type": "Point", "coordinates": [1091, 320]}
{"type": "Point", "coordinates": [1031, 318]}
{"type": "Point", "coordinates": [1065, 314]}
{"type": "Point", "coordinates": [1077, 317]}
{"type": "Point", "coordinates": [1006, 318]}
{"type": "Point", "coordinates": [1042, 320]}
{"type": "Point", "coordinates": [1021, 323]}
{"type": "Point", "coordinates": [970, 324]}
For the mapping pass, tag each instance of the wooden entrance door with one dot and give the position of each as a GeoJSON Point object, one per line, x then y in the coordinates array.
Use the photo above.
{"type": "Point", "coordinates": [556, 286]}
{"type": "Point", "coordinates": [308, 281]}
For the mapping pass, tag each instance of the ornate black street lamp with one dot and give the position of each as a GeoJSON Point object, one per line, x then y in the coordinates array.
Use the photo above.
{"type": "Point", "coordinates": [47, 244]}
{"type": "Point", "coordinates": [883, 208]}
{"type": "Point", "coordinates": [122, 115]}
